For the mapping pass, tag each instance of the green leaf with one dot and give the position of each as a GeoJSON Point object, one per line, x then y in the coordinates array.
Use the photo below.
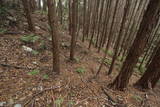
{"type": "Point", "coordinates": [2, 30]}
{"type": "Point", "coordinates": [59, 102]}
{"type": "Point", "coordinates": [119, 58]}
{"type": "Point", "coordinates": [45, 76]}
{"type": "Point", "coordinates": [80, 70]}
{"type": "Point", "coordinates": [108, 61]}
{"type": "Point", "coordinates": [42, 45]}
{"type": "Point", "coordinates": [110, 53]}
{"type": "Point", "coordinates": [77, 59]}
{"type": "Point", "coordinates": [34, 72]}
{"type": "Point", "coordinates": [138, 98]}
{"type": "Point", "coordinates": [34, 52]}
{"type": "Point", "coordinates": [71, 103]}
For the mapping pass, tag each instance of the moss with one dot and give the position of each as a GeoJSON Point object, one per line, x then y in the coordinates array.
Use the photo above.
{"type": "Point", "coordinates": [108, 61]}
{"type": "Point", "coordinates": [109, 52]}
{"type": "Point", "coordinates": [119, 58]}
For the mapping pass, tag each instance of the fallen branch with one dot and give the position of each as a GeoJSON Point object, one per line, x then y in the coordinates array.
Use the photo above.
{"type": "Point", "coordinates": [82, 101]}
{"type": "Point", "coordinates": [16, 67]}
{"type": "Point", "coordinates": [88, 98]}
{"type": "Point", "coordinates": [113, 102]}
{"type": "Point", "coordinates": [109, 97]}
{"type": "Point", "coordinates": [43, 28]}
{"type": "Point", "coordinates": [89, 87]}
{"type": "Point", "coordinates": [10, 33]}
{"type": "Point", "coordinates": [13, 33]}
{"type": "Point", "coordinates": [47, 89]}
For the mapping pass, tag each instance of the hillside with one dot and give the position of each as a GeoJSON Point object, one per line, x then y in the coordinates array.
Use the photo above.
{"type": "Point", "coordinates": [26, 76]}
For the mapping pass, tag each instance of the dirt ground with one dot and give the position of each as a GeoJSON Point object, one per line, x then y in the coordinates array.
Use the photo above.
{"type": "Point", "coordinates": [70, 88]}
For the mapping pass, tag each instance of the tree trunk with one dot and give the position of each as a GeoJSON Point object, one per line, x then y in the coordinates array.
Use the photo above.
{"type": "Point", "coordinates": [61, 11]}
{"type": "Point", "coordinates": [111, 28]}
{"type": "Point", "coordinates": [95, 18]}
{"type": "Point", "coordinates": [152, 74]}
{"type": "Point", "coordinates": [44, 5]}
{"type": "Point", "coordinates": [32, 5]}
{"type": "Point", "coordinates": [90, 7]}
{"type": "Point", "coordinates": [39, 4]}
{"type": "Point", "coordinates": [149, 45]}
{"type": "Point", "coordinates": [84, 20]}
{"type": "Point", "coordinates": [133, 14]}
{"type": "Point", "coordinates": [54, 31]}
{"type": "Point", "coordinates": [28, 15]}
{"type": "Point", "coordinates": [106, 22]}
{"type": "Point", "coordinates": [126, 11]}
{"type": "Point", "coordinates": [1, 2]}
{"type": "Point", "coordinates": [70, 17]}
{"type": "Point", "coordinates": [99, 21]}
{"type": "Point", "coordinates": [148, 23]}
{"type": "Point", "coordinates": [127, 43]}
{"type": "Point", "coordinates": [73, 33]}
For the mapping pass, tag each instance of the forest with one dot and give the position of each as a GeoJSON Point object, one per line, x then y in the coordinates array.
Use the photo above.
{"type": "Point", "coordinates": [79, 53]}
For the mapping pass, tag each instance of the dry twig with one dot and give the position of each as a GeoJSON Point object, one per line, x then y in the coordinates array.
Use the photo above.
{"type": "Point", "coordinates": [47, 89]}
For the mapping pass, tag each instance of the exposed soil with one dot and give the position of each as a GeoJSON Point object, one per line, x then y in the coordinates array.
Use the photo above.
{"type": "Point", "coordinates": [70, 88]}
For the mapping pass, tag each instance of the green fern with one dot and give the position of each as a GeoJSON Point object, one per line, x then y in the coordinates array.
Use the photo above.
{"type": "Point", "coordinates": [108, 61]}
{"type": "Point", "coordinates": [59, 102]}
{"type": "Point", "coordinates": [46, 76]}
{"type": "Point", "coordinates": [34, 52]}
{"type": "Point", "coordinates": [137, 98]}
{"type": "Point", "coordinates": [2, 30]}
{"type": "Point", "coordinates": [109, 52]}
{"type": "Point", "coordinates": [29, 38]}
{"type": "Point", "coordinates": [71, 103]}
{"type": "Point", "coordinates": [80, 70]}
{"type": "Point", "coordinates": [42, 45]}
{"type": "Point", "coordinates": [34, 72]}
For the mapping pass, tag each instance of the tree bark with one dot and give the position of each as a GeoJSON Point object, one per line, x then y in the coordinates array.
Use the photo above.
{"type": "Point", "coordinates": [28, 15]}
{"type": "Point", "coordinates": [152, 74]}
{"type": "Point", "coordinates": [149, 45]}
{"type": "Point", "coordinates": [54, 32]}
{"type": "Point", "coordinates": [126, 42]}
{"type": "Point", "coordinates": [84, 20]}
{"type": "Point", "coordinates": [133, 14]}
{"type": "Point", "coordinates": [95, 18]}
{"type": "Point", "coordinates": [44, 5]}
{"type": "Point", "coordinates": [126, 10]}
{"type": "Point", "coordinates": [61, 11]}
{"type": "Point", "coordinates": [70, 17]}
{"type": "Point", "coordinates": [99, 21]}
{"type": "Point", "coordinates": [106, 22]}
{"type": "Point", "coordinates": [148, 23]}
{"type": "Point", "coordinates": [90, 7]}
{"type": "Point", "coordinates": [1, 2]}
{"type": "Point", "coordinates": [73, 33]}
{"type": "Point", "coordinates": [111, 28]}
{"type": "Point", "coordinates": [32, 5]}
{"type": "Point", "coordinates": [39, 4]}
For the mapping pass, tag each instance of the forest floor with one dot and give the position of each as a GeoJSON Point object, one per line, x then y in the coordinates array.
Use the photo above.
{"type": "Point", "coordinates": [26, 78]}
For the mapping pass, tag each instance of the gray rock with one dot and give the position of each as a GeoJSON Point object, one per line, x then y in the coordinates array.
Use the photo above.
{"type": "Point", "coordinates": [2, 104]}
{"type": "Point", "coordinates": [17, 105]}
